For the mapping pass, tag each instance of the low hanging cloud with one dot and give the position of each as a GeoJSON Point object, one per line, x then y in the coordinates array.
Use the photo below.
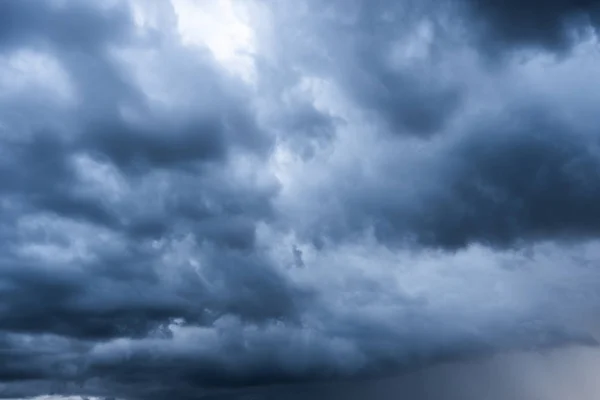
{"type": "Point", "coordinates": [309, 194]}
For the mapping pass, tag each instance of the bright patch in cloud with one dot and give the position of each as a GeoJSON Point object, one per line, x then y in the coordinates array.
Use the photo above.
{"type": "Point", "coordinates": [221, 26]}
{"type": "Point", "coordinates": [26, 70]}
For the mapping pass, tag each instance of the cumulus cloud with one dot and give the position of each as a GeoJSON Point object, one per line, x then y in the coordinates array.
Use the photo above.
{"type": "Point", "coordinates": [303, 193]}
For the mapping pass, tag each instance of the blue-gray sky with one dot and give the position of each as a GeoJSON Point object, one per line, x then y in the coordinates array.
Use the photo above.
{"type": "Point", "coordinates": [200, 196]}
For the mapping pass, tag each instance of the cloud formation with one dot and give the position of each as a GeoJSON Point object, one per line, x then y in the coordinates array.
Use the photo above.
{"type": "Point", "coordinates": [555, 25]}
{"type": "Point", "coordinates": [351, 190]}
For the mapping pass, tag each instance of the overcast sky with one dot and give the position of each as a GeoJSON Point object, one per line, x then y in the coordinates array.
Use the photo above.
{"type": "Point", "coordinates": [252, 199]}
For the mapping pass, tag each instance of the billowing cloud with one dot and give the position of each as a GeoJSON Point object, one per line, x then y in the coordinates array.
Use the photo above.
{"type": "Point", "coordinates": [295, 194]}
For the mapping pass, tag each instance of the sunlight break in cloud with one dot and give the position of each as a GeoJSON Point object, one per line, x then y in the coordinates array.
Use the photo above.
{"type": "Point", "coordinates": [222, 26]}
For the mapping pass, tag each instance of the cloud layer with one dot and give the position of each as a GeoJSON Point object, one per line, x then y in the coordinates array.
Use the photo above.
{"type": "Point", "coordinates": [304, 192]}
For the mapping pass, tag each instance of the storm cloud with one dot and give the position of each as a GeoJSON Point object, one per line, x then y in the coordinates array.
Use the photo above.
{"type": "Point", "coordinates": [554, 25]}
{"type": "Point", "coordinates": [227, 199]}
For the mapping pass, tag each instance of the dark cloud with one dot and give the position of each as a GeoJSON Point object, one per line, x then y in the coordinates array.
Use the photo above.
{"type": "Point", "coordinates": [118, 291]}
{"type": "Point", "coordinates": [356, 209]}
{"type": "Point", "coordinates": [515, 178]}
{"type": "Point", "coordinates": [518, 178]}
{"type": "Point", "coordinates": [49, 181]}
{"type": "Point", "coordinates": [128, 147]}
{"type": "Point", "coordinates": [357, 45]}
{"type": "Point", "coordinates": [73, 26]}
{"type": "Point", "coordinates": [526, 178]}
{"type": "Point", "coordinates": [555, 25]}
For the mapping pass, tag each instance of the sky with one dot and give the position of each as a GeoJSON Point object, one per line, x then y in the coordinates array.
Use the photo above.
{"type": "Point", "coordinates": [308, 199]}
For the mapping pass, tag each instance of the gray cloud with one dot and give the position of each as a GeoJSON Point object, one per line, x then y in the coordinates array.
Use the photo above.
{"type": "Point", "coordinates": [554, 25]}
{"type": "Point", "coordinates": [514, 178]}
{"type": "Point", "coordinates": [44, 186]}
{"type": "Point", "coordinates": [72, 26]}
{"type": "Point", "coordinates": [355, 44]}
{"type": "Point", "coordinates": [372, 201]}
